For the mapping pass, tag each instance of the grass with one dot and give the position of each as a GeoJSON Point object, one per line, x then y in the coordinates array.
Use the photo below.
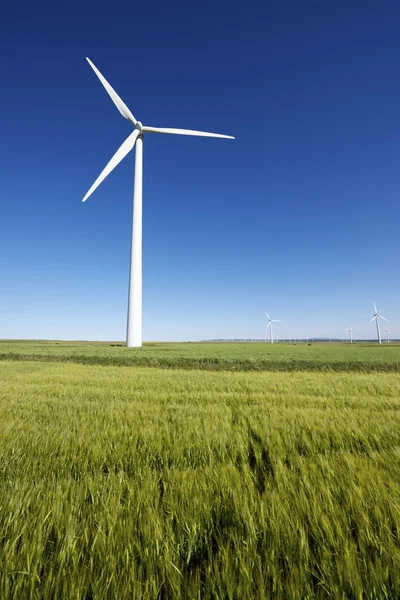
{"type": "Point", "coordinates": [137, 483]}
{"type": "Point", "coordinates": [215, 356]}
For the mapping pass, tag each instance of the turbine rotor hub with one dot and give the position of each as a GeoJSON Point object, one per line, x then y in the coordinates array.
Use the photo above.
{"type": "Point", "coordinates": [139, 125]}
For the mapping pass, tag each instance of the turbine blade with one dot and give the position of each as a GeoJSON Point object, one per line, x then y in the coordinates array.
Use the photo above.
{"type": "Point", "coordinates": [269, 323]}
{"type": "Point", "coordinates": [119, 103]}
{"type": "Point", "coordinates": [375, 309]}
{"type": "Point", "coordinates": [380, 316]}
{"type": "Point", "coordinates": [268, 315]}
{"type": "Point", "coordinates": [185, 132]}
{"type": "Point", "coordinates": [373, 319]}
{"type": "Point", "coordinates": [122, 151]}
{"type": "Point", "coordinates": [275, 320]}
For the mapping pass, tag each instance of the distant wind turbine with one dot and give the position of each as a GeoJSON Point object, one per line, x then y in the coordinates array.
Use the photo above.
{"type": "Point", "coordinates": [134, 321]}
{"type": "Point", "coordinates": [350, 330]}
{"type": "Point", "coordinates": [270, 321]}
{"type": "Point", "coordinates": [387, 334]}
{"type": "Point", "coordinates": [376, 318]}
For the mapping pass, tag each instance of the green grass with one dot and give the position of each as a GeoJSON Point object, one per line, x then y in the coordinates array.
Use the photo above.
{"type": "Point", "coordinates": [136, 483]}
{"type": "Point", "coordinates": [215, 356]}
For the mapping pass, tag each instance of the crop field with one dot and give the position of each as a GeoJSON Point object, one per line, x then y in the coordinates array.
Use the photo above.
{"type": "Point", "coordinates": [215, 356]}
{"type": "Point", "coordinates": [235, 471]}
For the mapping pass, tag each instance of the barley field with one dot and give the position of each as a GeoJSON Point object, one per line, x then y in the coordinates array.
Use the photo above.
{"type": "Point", "coordinates": [238, 482]}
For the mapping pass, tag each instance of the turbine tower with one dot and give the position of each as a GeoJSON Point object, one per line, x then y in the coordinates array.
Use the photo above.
{"type": "Point", "coordinates": [350, 330]}
{"type": "Point", "coordinates": [134, 321]}
{"type": "Point", "coordinates": [376, 318]}
{"type": "Point", "coordinates": [270, 321]}
{"type": "Point", "coordinates": [387, 334]}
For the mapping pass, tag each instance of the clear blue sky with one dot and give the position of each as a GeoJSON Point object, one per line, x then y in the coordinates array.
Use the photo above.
{"type": "Point", "coordinates": [298, 216]}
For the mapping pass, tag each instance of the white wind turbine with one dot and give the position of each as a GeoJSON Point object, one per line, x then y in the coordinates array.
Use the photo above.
{"type": "Point", "coordinates": [350, 330]}
{"type": "Point", "coordinates": [387, 334]}
{"type": "Point", "coordinates": [376, 317]}
{"type": "Point", "coordinates": [270, 321]}
{"type": "Point", "coordinates": [134, 324]}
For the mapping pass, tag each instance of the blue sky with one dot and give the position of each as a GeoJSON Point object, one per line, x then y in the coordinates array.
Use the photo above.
{"type": "Point", "coordinates": [299, 215]}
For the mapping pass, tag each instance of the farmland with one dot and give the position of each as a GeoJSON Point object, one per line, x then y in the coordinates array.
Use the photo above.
{"type": "Point", "coordinates": [234, 471]}
{"type": "Point", "coordinates": [214, 356]}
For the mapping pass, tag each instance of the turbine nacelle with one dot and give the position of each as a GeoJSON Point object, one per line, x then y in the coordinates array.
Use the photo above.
{"type": "Point", "coordinates": [139, 127]}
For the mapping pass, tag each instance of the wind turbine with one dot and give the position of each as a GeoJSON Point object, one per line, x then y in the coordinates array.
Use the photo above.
{"type": "Point", "coordinates": [387, 334]}
{"type": "Point", "coordinates": [134, 321]}
{"type": "Point", "coordinates": [270, 321]}
{"type": "Point", "coordinates": [376, 317]}
{"type": "Point", "coordinates": [350, 330]}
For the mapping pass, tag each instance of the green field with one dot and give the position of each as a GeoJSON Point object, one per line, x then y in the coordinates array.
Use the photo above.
{"type": "Point", "coordinates": [215, 356]}
{"type": "Point", "coordinates": [252, 472]}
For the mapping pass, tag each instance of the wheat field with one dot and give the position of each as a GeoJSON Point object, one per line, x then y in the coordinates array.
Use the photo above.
{"type": "Point", "coordinates": [131, 482]}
